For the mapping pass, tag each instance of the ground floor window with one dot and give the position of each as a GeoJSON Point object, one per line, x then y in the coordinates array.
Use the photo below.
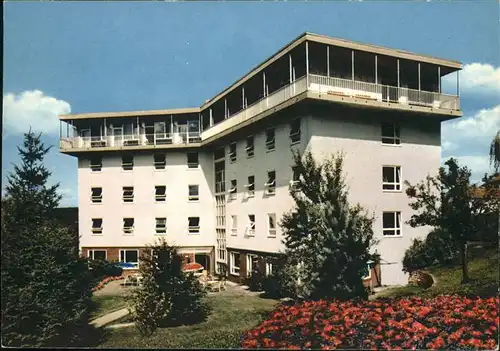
{"type": "Point", "coordinates": [204, 260]}
{"type": "Point", "coordinates": [234, 263]}
{"type": "Point", "coordinates": [368, 270]}
{"type": "Point", "coordinates": [130, 256]}
{"type": "Point", "coordinates": [252, 264]}
{"type": "Point", "coordinates": [269, 268]}
{"type": "Point", "coordinates": [97, 254]}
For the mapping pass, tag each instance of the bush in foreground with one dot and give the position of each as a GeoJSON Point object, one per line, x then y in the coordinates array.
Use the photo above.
{"type": "Point", "coordinates": [450, 322]}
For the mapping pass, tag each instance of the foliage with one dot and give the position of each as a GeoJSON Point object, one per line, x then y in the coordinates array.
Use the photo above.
{"type": "Point", "coordinates": [167, 296]}
{"type": "Point", "coordinates": [281, 283]}
{"type": "Point", "coordinates": [327, 240]}
{"type": "Point", "coordinates": [444, 322]}
{"type": "Point", "coordinates": [495, 152]}
{"type": "Point", "coordinates": [46, 286]}
{"type": "Point", "coordinates": [255, 281]}
{"type": "Point", "coordinates": [101, 269]}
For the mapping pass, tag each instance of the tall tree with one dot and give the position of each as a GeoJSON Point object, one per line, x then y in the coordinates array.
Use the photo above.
{"type": "Point", "coordinates": [46, 287]}
{"type": "Point", "coordinates": [327, 240]}
{"type": "Point", "coordinates": [495, 152]}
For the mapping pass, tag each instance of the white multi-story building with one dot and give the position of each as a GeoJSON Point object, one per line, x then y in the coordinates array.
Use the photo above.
{"type": "Point", "coordinates": [214, 180]}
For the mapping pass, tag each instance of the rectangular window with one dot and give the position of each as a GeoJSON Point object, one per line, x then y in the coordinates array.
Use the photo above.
{"type": "Point", "coordinates": [391, 222]}
{"type": "Point", "coordinates": [232, 152]}
{"type": "Point", "coordinates": [130, 256]}
{"type": "Point", "coordinates": [368, 270]}
{"type": "Point", "coordinates": [391, 178]}
{"type": "Point", "coordinates": [271, 224]}
{"type": "Point", "coordinates": [295, 131]}
{"type": "Point", "coordinates": [233, 189]}
{"type": "Point", "coordinates": [269, 268]}
{"type": "Point", "coordinates": [194, 193]}
{"type": "Point", "coordinates": [294, 183]}
{"type": "Point", "coordinates": [249, 147]}
{"type": "Point", "coordinates": [96, 195]}
{"type": "Point", "coordinates": [160, 161]}
{"type": "Point", "coordinates": [270, 139]}
{"type": "Point", "coordinates": [128, 225]}
{"type": "Point", "coordinates": [98, 254]}
{"type": "Point", "coordinates": [128, 194]}
{"type": "Point", "coordinates": [391, 134]}
{"type": "Point", "coordinates": [271, 183]}
{"type": "Point", "coordinates": [161, 225]}
{"type": "Point", "coordinates": [234, 225]}
{"type": "Point", "coordinates": [160, 193]}
{"type": "Point", "coordinates": [250, 186]}
{"type": "Point", "coordinates": [127, 163]}
{"type": "Point", "coordinates": [194, 225]}
{"type": "Point", "coordinates": [251, 225]}
{"type": "Point", "coordinates": [96, 164]}
{"type": "Point", "coordinates": [234, 263]}
{"type": "Point", "coordinates": [96, 225]}
{"type": "Point", "coordinates": [252, 264]}
{"type": "Point", "coordinates": [192, 160]}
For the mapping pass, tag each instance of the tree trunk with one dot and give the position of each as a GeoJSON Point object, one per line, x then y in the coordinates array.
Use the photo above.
{"type": "Point", "coordinates": [465, 272]}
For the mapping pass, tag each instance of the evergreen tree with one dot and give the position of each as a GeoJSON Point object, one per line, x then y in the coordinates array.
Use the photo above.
{"type": "Point", "coordinates": [45, 284]}
{"type": "Point", "coordinates": [327, 240]}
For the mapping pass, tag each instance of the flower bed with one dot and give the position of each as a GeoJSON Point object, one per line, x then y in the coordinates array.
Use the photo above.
{"type": "Point", "coordinates": [450, 322]}
{"type": "Point", "coordinates": [105, 281]}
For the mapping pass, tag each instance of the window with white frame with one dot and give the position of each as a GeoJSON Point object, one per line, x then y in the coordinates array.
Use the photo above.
{"type": "Point", "coordinates": [234, 225]}
{"type": "Point", "coordinates": [249, 146]}
{"type": "Point", "coordinates": [234, 263]}
{"type": "Point", "coordinates": [391, 178]}
{"type": "Point", "coordinates": [98, 255]}
{"type": "Point", "coordinates": [295, 131]}
{"type": "Point", "coordinates": [271, 224]}
{"type": "Point", "coordinates": [233, 189]}
{"type": "Point", "coordinates": [193, 225]}
{"type": "Point", "coordinates": [128, 193]}
{"type": "Point", "coordinates": [160, 193]}
{"type": "Point", "coordinates": [250, 186]}
{"type": "Point", "coordinates": [96, 164]}
{"type": "Point", "coordinates": [192, 160]}
{"type": "Point", "coordinates": [251, 225]}
{"type": "Point", "coordinates": [128, 225]}
{"type": "Point", "coordinates": [194, 192]}
{"type": "Point", "coordinates": [270, 139]}
{"type": "Point", "coordinates": [368, 270]}
{"type": "Point", "coordinates": [159, 161]}
{"type": "Point", "coordinates": [391, 222]}
{"type": "Point", "coordinates": [127, 162]}
{"type": "Point", "coordinates": [269, 268]}
{"type": "Point", "coordinates": [130, 256]}
{"type": "Point", "coordinates": [294, 183]}
{"type": "Point", "coordinates": [161, 225]}
{"type": "Point", "coordinates": [271, 183]}
{"type": "Point", "coordinates": [96, 195]}
{"type": "Point", "coordinates": [96, 225]}
{"type": "Point", "coordinates": [232, 152]}
{"type": "Point", "coordinates": [391, 134]}
{"type": "Point", "coordinates": [252, 264]}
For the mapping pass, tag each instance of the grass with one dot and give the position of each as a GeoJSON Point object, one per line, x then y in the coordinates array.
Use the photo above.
{"type": "Point", "coordinates": [104, 304]}
{"type": "Point", "coordinates": [483, 274]}
{"type": "Point", "coordinates": [232, 314]}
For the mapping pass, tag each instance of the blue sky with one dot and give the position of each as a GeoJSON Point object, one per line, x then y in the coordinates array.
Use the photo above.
{"type": "Point", "coordinates": [111, 56]}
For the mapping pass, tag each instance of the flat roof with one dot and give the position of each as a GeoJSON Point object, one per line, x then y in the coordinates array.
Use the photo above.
{"type": "Point", "coordinates": [175, 111]}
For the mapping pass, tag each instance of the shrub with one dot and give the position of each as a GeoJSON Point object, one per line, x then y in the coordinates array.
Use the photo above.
{"type": "Point", "coordinates": [101, 269]}
{"type": "Point", "coordinates": [255, 282]}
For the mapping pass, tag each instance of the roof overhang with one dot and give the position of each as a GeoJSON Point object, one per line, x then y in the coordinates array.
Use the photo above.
{"type": "Point", "coordinates": [177, 111]}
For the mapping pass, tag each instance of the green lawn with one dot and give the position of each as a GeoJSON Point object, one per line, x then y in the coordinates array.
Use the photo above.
{"type": "Point", "coordinates": [483, 273]}
{"type": "Point", "coordinates": [104, 304]}
{"type": "Point", "coordinates": [232, 313]}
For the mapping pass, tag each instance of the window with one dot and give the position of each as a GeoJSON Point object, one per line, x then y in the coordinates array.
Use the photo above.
{"type": "Point", "coordinates": [271, 224]}
{"type": "Point", "coordinates": [127, 163]}
{"type": "Point", "coordinates": [160, 193]}
{"type": "Point", "coordinates": [194, 225]}
{"type": "Point", "coordinates": [391, 222]}
{"type": "Point", "coordinates": [252, 264]}
{"type": "Point", "coordinates": [270, 140]}
{"type": "Point", "coordinates": [271, 183]}
{"type": "Point", "coordinates": [269, 268]}
{"type": "Point", "coordinates": [249, 148]}
{"type": "Point", "coordinates": [128, 225]}
{"type": "Point", "coordinates": [391, 134]}
{"type": "Point", "coordinates": [192, 160]}
{"type": "Point", "coordinates": [391, 178]}
{"type": "Point", "coordinates": [160, 161]}
{"type": "Point", "coordinates": [232, 152]}
{"type": "Point", "coordinates": [161, 225]}
{"type": "Point", "coordinates": [295, 131]}
{"type": "Point", "coordinates": [96, 164]}
{"type": "Point", "coordinates": [233, 189]}
{"type": "Point", "coordinates": [234, 263]}
{"type": "Point", "coordinates": [250, 186]}
{"type": "Point", "coordinates": [294, 183]}
{"type": "Point", "coordinates": [97, 255]}
{"type": "Point", "coordinates": [96, 196]}
{"type": "Point", "coordinates": [251, 225]}
{"type": "Point", "coordinates": [194, 193]}
{"type": "Point", "coordinates": [96, 225]}
{"type": "Point", "coordinates": [130, 256]}
{"type": "Point", "coordinates": [234, 225]}
{"type": "Point", "coordinates": [368, 270]}
{"type": "Point", "coordinates": [128, 194]}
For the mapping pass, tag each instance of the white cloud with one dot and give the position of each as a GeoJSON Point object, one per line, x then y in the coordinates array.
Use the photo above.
{"type": "Point", "coordinates": [476, 78]}
{"type": "Point", "coordinates": [483, 124]}
{"type": "Point", "coordinates": [32, 108]}
{"type": "Point", "coordinates": [479, 165]}
{"type": "Point", "coordinates": [448, 146]}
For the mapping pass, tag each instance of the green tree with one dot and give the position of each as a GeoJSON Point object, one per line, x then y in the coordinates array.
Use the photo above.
{"type": "Point", "coordinates": [46, 291]}
{"type": "Point", "coordinates": [495, 152]}
{"type": "Point", "coordinates": [167, 296]}
{"type": "Point", "coordinates": [327, 241]}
